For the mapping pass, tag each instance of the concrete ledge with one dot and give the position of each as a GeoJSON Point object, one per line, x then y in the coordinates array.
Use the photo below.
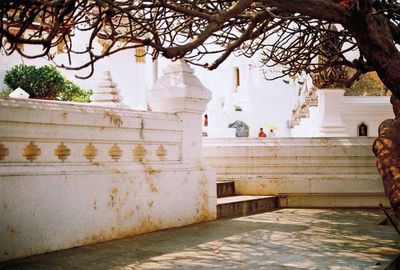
{"type": "Point", "coordinates": [346, 200]}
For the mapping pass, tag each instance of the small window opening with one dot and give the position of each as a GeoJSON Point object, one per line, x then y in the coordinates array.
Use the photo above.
{"type": "Point", "coordinates": [237, 77]}
{"type": "Point", "coordinates": [363, 130]}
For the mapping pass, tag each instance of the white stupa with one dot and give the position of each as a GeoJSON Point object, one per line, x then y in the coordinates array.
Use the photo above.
{"type": "Point", "coordinates": [107, 93]}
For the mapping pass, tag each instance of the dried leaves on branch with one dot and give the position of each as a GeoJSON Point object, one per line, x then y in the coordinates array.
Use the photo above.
{"type": "Point", "coordinates": [316, 36]}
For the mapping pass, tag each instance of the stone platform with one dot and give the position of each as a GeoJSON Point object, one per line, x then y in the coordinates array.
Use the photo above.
{"type": "Point", "coordinates": [304, 172]}
{"type": "Point", "coordinates": [283, 239]}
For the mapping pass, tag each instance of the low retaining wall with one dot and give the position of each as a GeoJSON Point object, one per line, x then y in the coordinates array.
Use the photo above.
{"type": "Point", "coordinates": [72, 175]}
{"type": "Point", "coordinates": [304, 172]}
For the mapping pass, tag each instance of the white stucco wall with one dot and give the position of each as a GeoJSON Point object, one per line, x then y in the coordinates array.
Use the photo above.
{"type": "Point", "coordinates": [74, 174]}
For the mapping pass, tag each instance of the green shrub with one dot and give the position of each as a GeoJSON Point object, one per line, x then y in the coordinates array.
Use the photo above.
{"type": "Point", "coordinates": [44, 82]}
{"type": "Point", "coordinates": [5, 92]}
{"type": "Point", "coordinates": [73, 92]}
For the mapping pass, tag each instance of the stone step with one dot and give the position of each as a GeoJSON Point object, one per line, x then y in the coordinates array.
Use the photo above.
{"type": "Point", "coordinates": [236, 206]}
{"type": "Point", "coordinates": [225, 189]}
{"type": "Point", "coordinates": [262, 185]}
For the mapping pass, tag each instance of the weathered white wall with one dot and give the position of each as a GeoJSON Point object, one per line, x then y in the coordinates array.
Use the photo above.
{"type": "Point", "coordinates": [369, 110]}
{"type": "Point", "coordinates": [305, 172]}
{"type": "Point", "coordinates": [122, 172]}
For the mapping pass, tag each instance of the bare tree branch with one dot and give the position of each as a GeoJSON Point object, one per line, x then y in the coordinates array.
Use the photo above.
{"type": "Point", "coordinates": [295, 34]}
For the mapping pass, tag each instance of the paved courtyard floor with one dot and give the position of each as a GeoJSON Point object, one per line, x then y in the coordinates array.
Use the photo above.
{"type": "Point", "coordinates": [283, 239]}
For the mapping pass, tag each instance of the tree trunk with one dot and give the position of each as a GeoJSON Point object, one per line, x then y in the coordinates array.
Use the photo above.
{"type": "Point", "coordinates": [387, 150]}
{"type": "Point", "coordinates": [375, 41]}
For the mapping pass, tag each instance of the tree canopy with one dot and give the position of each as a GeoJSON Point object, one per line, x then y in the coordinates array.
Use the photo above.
{"type": "Point", "coordinates": [319, 37]}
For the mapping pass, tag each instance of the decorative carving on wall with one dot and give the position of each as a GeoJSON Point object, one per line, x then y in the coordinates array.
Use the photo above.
{"type": "Point", "coordinates": [161, 152]}
{"type": "Point", "coordinates": [31, 151]}
{"type": "Point", "coordinates": [115, 152]}
{"type": "Point", "coordinates": [90, 152]}
{"type": "Point", "coordinates": [62, 152]}
{"type": "Point", "coordinates": [140, 54]}
{"type": "Point", "coordinates": [3, 152]}
{"type": "Point", "coordinates": [139, 152]}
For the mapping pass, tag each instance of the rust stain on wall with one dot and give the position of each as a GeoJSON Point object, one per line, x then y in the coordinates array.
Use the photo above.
{"type": "Point", "coordinates": [129, 215]}
{"type": "Point", "coordinates": [200, 167]}
{"type": "Point", "coordinates": [11, 231]}
{"type": "Point", "coordinates": [153, 188]}
{"type": "Point", "coordinates": [114, 170]}
{"type": "Point", "coordinates": [101, 237]}
{"type": "Point", "coordinates": [147, 225]}
{"type": "Point", "coordinates": [203, 212]}
{"type": "Point", "coordinates": [113, 196]}
{"type": "Point", "coordinates": [203, 181]}
{"type": "Point", "coordinates": [263, 186]}
{"type": "Point", "coordinates": [64, 116]}
{"type": "Point", "coordinates": [149, 177]}
{"type": "Point", "coordinates": [150, 170]}
{"type": "Point", "coordinates": [150, 204]}
{"type": "Point", "coordinates": [141, 131]}
{"type": "Point", "coordinates": [114, 117]}
{"type": "Point", "coordinates": [5, 205]}
{"type": "Point", "coordinates": [144, 226]}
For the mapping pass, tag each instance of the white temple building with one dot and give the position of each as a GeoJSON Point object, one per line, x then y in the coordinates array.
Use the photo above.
{"type": "Point", "coordinates": [287, 107]}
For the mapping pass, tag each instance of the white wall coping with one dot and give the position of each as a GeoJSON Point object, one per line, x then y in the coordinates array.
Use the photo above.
{"type": "Point", "coordinates": [75, 107]}
{"type": "Point", "coordinates": [367, 99]}
{"type": "Point", "coordinates": [289, 141]}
